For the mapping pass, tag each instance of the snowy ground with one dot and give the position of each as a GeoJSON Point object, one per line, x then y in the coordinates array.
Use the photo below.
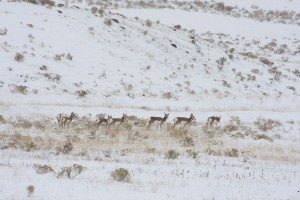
{"type": "Point", "coordinates": [244, 69]}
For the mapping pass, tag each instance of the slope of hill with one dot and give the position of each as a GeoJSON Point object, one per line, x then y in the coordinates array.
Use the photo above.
{"type": "Point", "coordinates": [74, 57]}
{"type": "Point", "coordinates": [234, 59]}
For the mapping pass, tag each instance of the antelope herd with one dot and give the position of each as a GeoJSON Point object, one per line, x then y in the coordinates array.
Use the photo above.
{"type": "Point", "coordinates": [64, 121]}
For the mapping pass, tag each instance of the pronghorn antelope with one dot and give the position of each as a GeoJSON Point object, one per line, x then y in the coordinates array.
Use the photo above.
{"type": "Point", "coordinates": [67, 120]}
{"type": "Point", "coordinates": [59, 118]}
{"type": "Point", "coordinates": [186, 121]}
{"type": "Point", "coordinates": [104, 121]}
{"type": "Point", "coordinates": [212, 119]}
{"type": "Point", "coordinates": [161, 121]}
{"type": "Point", "coordinates": [120, 121]}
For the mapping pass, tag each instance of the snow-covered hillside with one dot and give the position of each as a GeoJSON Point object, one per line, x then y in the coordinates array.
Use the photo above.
{"type": "Point", "coordinates": [73, 57]}
{"type": "Point", "coordinates": [239, 60]}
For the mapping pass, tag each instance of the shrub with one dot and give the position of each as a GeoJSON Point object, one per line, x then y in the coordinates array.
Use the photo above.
{"type": "Point", "coordinates": [178, 133]}
{"type": "Point", "coordinates": [232, 152]}
{"type": "Point", "coordinates": [171, 154]}
{"type": "Point", "coordinates": [39, 125]}
{"type": "Point", "coordinates": [150, 150]}
{"type": "Point", "coordinates": [262, 136]}
{"type": "Point", "coordinates": [22, 123]}
{"type": "Point", "coordinates": [192, 153]}
{"type": "Point", "coordinates": [210, 151]}
{"type": "Point", "coordinates": [52, 76]}
{"type": "Point", "coordinates": [30, 190]}
{"type": "Point", "coordinates": [19, 57]}
{"type": "Point", "coordinates": [230, 128]}
{"type": "Point", "coordinates": [266, 61]}
{"type": "Point", "coordinates": [71, 172]}
{"type": "Point", "coordinates": [43, 169]}
{"type": "Point", "coordinates": [221, 61]}
{"type": "Point", "coordinates": [248, 54]}
{"type": "Point", "coordinates": [47, 2]}
{"type": "Point", "coordinates": [101, 12]}
{"type": "Point", "coordinates": [3, 31]}
{"type": "Point", "coordinates": [178, 27]}
{"type": "Point", "coordinates": [266, 124]}
{"type": "Point", "coordinates": [44, 68]}
{"type": "Point", "coordinates": [219, 6]}
{"type": "Point", "coordinates": [107, 22]}
{"type": "Point", "coordinates": [2, 120]}
{"type": "Point", "coordinates": [148, 23]}
{"type": "Point", "coordinates": [81, 93]}
{"type": "Point", "coordinates": [65, 149]}
{"type": "Point", "coordinates": [121, 174]}
{"type": "Point", "coordinates": [187, 142]}
{"type": "Point", "coordinates": [32, 1]}
{"type": "Point", "coordinates": [167, 95]}
{"type": "Point", "coordinates": [94, 10]}
{"type": "Point", "coordinates": [296, 72]}
{"type": "Point", "coordinates": [22, 89]}
{"type": "Point", "coordinates": [69, 56]}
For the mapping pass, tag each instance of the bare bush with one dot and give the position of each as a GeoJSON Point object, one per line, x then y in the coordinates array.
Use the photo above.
{"type": "Point", "coordinates": [25, 143]}
{"type": "Point", "coordinates": [148, 23]}
{"type": "Point", "coordinates": [232, 152]}
{"type": "Point", "coordinates": [220, 6]}
{"type": "Point", "coordinates": [167, 95]}
{"type": "Point", "coordinates": [94, 10]}
{"type": "Point", "coordinates": [248, 54]}
{"type": "Point", "coordinates": [187, 142]}
{"type": "Point", "coordinates": [32, 1]}
{"type": "Point", "coordinates": [65, 149]}
{"type": "Point", "coordinates": [101, 12]}
{"type": "Point", "coordinates": [47, 2]}
{"type": "Point", "coordinates": [296, 72]}
{"type": "Point", "coordinates": [221, 61]}
{"type": "Point", "coordinates": [266, 61]}
{"type": "Point", "coordinates": [136, 136]}
{"type": "Point", "coordinates": [44, 68]}
{"type": "Point", "coordinates": [3, 31]}
{"type": "Point", "coordinates": [71, 172]}
{"type": "Point", "coordinates": [22, 89]}
{"type": "Point", "coordinates": [22, 123]}
{"type": "Point", "coordinates": [262, 136]}
{"type": "Point", "coordinates": [178, 133]}
{"type": "Point", "coordinates": [43, 169]}
{"type": "Point", "coordinates": [171, 154]}
{"type": "Point", "coordinates": [39, 125]}
{"type": "Point", "coordinates": [192, 153]}
{"type": "Point", "coordinates": [266, 124]}
{"type": "Point", "coordinates": [107, 22]}
{"type": "Point", "coordinates": [19, 57]}
{"type": "Point", "coordinates": [150, 150]}
{"type": "Point", "coordinates": [178, 27]}
{"type": "Point", "coordinates": [121, 174]}
{"type": "Point", "coordinates": [2, 120]}
{"type": "Point", "coordinates": [52, 76]}
{"type": "Point", "coordinates": [30, 189]}
{"type": "Point", "coordinates": [81, 93]}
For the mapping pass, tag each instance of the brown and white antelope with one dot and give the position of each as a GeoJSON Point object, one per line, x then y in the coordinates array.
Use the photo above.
{"type": "Point", "coordinates": [104, 122]}
{"type": "Point", "coordinates": [59, 118]}
{"type": "Point", "coordinates": [184, 120]}
{"type": "Point", "coordinates": [213, 119]}
{"type": "Point", "coordinates": [119, 121]}
{"type": "Point", "coordinates": [67, 120]}
{"type": "Point", "coordinates": [161, 121]}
